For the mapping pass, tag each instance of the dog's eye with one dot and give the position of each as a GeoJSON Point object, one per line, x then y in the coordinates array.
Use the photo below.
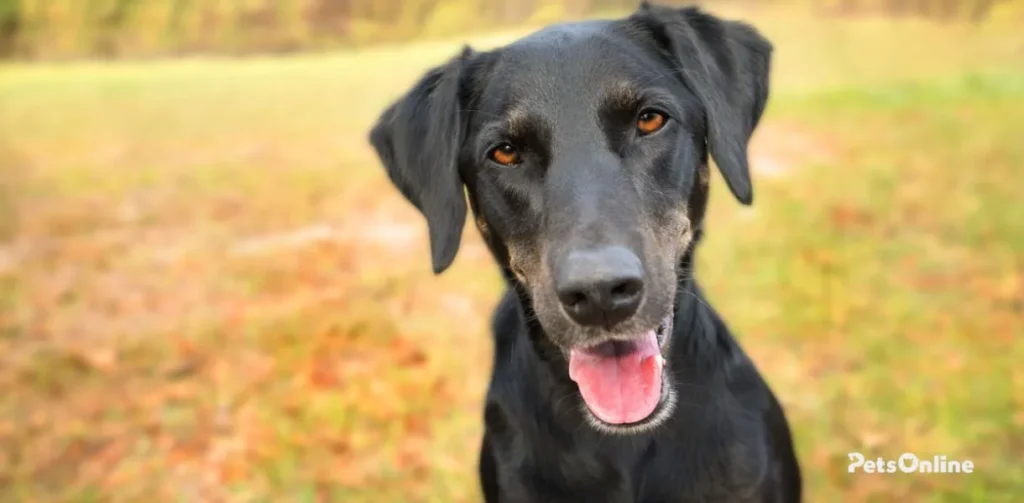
{"type": "Point", "coordinates": [650, 121]}
{"type": "Point", "coordinates": [504, 154]}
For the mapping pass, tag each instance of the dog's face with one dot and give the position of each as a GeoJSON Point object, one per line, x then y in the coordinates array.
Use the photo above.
{"type": "Point", "coordinates": [582, 166]}
{"type": "Point", "coordinates": [583, 149]}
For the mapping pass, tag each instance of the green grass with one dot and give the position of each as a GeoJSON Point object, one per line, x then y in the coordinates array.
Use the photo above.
{"type": "Point", "coordinates": [893, 275]}
{"type": "Point", "coordinates": [208, 291]}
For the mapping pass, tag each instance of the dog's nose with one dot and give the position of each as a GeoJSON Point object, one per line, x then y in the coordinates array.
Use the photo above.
{"type": "Point", "coordinates": [600, 287]}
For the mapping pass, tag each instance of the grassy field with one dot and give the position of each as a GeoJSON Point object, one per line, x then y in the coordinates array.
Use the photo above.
{"type": "Point", "coordinates": [209, 292]}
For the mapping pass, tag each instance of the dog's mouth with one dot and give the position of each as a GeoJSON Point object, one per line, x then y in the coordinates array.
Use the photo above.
{"type": "Point", "coordinates": [620, 380]}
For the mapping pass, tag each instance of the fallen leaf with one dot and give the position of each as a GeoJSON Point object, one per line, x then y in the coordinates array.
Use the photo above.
{"type": "Point", "coordinates": [101, 359]}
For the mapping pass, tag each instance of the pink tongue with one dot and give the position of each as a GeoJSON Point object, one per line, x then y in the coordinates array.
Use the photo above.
{"type": "Point", "coordinates": [623, 388]}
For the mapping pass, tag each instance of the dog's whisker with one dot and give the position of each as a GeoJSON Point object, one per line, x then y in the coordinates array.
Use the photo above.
{"type": "Point", "coordinates": [698, 299]}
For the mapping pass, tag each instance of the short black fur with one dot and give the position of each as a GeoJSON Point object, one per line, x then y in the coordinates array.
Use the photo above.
{"type": "Point", "coordinates": [587, 187]}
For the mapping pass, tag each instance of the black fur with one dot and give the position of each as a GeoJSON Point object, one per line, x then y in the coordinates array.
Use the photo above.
{"type": "Point", "coordinates": [566, 101]}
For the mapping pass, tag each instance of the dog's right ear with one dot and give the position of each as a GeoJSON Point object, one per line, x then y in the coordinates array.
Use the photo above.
{"type": "Point", "coordinates": [418, 140]}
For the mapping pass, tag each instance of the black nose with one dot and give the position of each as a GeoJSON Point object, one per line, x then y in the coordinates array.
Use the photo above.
{"type": "Point", "coordinates": [600, 287]}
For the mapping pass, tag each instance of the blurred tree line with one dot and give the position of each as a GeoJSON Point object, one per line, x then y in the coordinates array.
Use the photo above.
{"type": "Point", "coordinates": [973, 10]}
{"type": "Point", "coordinates": [146, 28]}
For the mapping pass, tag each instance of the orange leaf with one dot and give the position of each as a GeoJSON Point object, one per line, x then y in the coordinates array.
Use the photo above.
{"type": "Point", "coordinates": [322, 376]}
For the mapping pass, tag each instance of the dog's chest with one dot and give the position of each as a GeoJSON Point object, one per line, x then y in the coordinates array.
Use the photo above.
{"type": "Point", "coordinates": [615, 471]}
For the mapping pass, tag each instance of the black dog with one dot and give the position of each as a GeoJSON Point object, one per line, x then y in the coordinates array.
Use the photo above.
{"type": "Point", "coordinates": [583, 150]}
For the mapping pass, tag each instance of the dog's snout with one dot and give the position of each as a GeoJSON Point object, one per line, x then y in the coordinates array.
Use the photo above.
{"type": "Point", "coordinates": [600, 287]}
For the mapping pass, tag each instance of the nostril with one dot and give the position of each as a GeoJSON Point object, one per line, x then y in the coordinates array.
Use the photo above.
{"type": "Point", "coordinates": [620, 289]}
{"type": "Point", "coordinates": [573, 299]}
{"type": "Point", "coordinates": [626, 288]}
{"type": "Point", "coordinates": [623, 299]}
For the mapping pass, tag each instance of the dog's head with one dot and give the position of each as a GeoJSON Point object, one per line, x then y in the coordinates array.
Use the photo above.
{"type": "Point", "coordinates": [583, 150]}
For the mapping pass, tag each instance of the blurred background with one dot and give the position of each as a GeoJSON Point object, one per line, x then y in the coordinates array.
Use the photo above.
{"type": "Point", "coordinates": [210, 292]}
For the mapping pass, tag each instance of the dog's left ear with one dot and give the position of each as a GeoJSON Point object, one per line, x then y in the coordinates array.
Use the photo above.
{"type": "Point", "coordinates": [726, 64]}
{"type": "Point", "coordinates": [418, 140]}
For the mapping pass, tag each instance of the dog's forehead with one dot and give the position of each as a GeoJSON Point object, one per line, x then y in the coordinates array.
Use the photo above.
{"type": "Point", "coordinates": [562, 35]}
{"type": "Point", "coordinates": [567, 62]}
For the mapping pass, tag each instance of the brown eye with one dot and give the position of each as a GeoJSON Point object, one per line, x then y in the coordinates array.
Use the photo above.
{"type": "Point", "coordinates": [650, 121]}
{"type": "Point", "coordinates": [505, 154]}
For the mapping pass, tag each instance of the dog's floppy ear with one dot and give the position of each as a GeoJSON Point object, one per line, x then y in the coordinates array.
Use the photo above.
{"type": "Point", "coordinates": [726, 64]}
{"type": "Point", "coordinates": [418, 140]}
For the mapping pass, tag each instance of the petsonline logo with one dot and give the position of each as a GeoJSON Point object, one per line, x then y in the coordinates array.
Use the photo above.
{"type": "Point", "coordinates": [908, 463]}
